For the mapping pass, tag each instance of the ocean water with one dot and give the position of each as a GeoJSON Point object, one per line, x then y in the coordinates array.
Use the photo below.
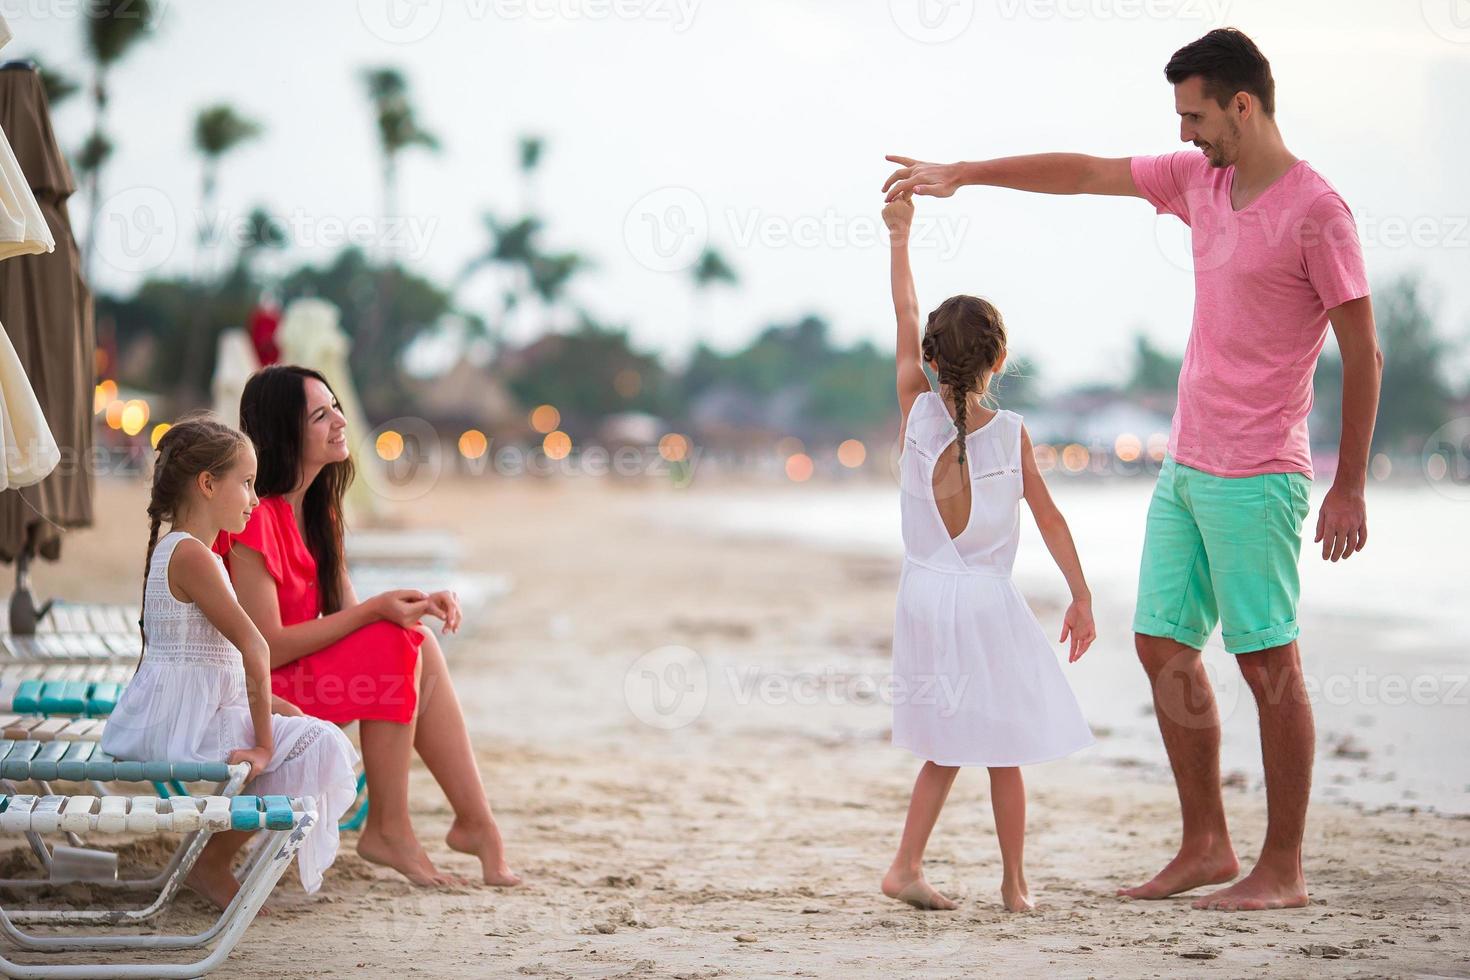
{"type": "Point", "coordinates": [1385, 635]}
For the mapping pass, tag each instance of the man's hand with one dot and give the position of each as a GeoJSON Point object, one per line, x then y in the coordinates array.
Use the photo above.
{"type": "Point", "coordinates": [1342, 523]}
{"type": "Point", "coordinates": [916, 177]}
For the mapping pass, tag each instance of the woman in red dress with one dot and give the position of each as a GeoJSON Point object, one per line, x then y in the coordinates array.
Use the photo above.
{"type": "Point", "coordinates": [342, 659]}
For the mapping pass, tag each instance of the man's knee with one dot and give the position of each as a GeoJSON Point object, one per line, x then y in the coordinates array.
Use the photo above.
{"type": "Point", "coordinates": [1274, 675]}
{"type": "Point", "coordinates": [1160, 653]}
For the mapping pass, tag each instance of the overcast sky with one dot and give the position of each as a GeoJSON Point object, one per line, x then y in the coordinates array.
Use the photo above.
{"type": "Point", "coordinates": [761, 125]}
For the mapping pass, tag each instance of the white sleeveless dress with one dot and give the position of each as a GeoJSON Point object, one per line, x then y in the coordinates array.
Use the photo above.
{"type": "Point", "coordinates": [188, 703]}
{"type": "Point", "coordinates": [976, 681]}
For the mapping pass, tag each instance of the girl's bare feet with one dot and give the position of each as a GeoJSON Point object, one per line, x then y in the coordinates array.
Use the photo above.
{"type": "Point", "coordinates": [404, 855]}
{"type": "Point", "coordinates": [484, 843]}
{"type": "Point", "coordinates": [216, 885]}
{"type": "Point", "coordinates": [1016, 896]}
{"type": "Point", "coordinates": [910, 887]}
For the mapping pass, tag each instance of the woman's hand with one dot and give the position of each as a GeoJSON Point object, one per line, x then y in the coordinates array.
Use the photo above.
{"type": "Point", "coordinates": [258, 757]}
{"type": "Point", "coordinates": [445, 605]}
{"type": "Point", "coordinates": [401, 606]}
{"type": "Point", "coordinates": [917, 177]}
{"type": "Point", "coordinates": [1077, 624]}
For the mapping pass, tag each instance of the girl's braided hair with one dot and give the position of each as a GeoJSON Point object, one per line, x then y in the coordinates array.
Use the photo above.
{"type": "Point", "coordinates": [198, 443]}
{"type": "Point", "coordinates": [965, 337]}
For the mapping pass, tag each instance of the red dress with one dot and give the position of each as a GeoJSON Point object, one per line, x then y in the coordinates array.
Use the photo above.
{"type": "Point", "coordinates": [368, 674]}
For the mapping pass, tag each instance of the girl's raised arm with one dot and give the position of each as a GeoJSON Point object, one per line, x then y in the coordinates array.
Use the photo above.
{"type": "Point", "coordinates": [912, 381]}
{"type": "Point", "coordinates": [1077, 623]}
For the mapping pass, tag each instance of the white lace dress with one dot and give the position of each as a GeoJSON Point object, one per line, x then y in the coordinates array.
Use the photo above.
{"type": "Point", "coordinates": [188, 703]}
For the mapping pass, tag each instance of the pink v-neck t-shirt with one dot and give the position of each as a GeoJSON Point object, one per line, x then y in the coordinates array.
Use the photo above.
{"type": "Point", "coordinates": [1264, 278]}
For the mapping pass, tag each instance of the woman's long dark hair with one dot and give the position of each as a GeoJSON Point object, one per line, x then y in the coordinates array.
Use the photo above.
{"type": "Point", "coordinates": [273, 415]}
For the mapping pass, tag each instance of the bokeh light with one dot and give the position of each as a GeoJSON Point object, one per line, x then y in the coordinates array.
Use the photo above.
{"type": "Point", "coordinates": [472, 444]}
{"type": "Point", "coordinates": [557, 444]}
{"type": "Point", "coordinates": [799, 467]}
{"type": "Point", "coordinates": [389, 445]}
{"type": "Point", "coordinates": [545, 418]}
{"type": "Point", "coordinates": [673, 447]}
{"type": "Point", "coordinates": [851, 453]}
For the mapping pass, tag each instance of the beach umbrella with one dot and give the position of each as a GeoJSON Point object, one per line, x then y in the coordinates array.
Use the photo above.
{"type": "Point", "coordinates": [234, 363]}
{"type": "Point", "coordinates": [311, 335]}
{"type": "Point", "coordinates": [46, 308]}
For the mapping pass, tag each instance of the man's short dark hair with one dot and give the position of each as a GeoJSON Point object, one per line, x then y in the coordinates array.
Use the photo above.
{"type": "Point", "coordinates": [1227, 62]}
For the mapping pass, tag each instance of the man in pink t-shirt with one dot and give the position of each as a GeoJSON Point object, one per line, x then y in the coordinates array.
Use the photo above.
{"type": "Point", "coordinates": [1276, 260]}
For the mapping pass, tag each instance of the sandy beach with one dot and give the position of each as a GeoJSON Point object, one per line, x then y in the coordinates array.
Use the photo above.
{"type": "Point", "coordinates": [682, 740]}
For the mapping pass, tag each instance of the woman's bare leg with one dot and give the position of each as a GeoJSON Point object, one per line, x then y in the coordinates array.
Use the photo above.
{"type": "Point", "coordinates": [387, 837]}
{"type": "Point", "coordinates": [905, 878]}
{"type": "Point", "coordinates": [1008, 800]}
{"type": "Point", "coordinates": [443, 742]}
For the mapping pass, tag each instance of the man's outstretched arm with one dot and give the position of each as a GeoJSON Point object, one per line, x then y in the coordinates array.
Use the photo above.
{"type": "Point", "coordinates": [1042, 173]}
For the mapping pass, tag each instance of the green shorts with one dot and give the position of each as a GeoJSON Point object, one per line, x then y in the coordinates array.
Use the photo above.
{"type": "Point", "coordinates": [1226, 549]}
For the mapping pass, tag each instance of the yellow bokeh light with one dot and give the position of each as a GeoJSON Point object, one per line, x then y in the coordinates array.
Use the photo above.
{"type": "Point", "coordinates": [389, 445]}
{"type": "Point", "coordinates": [556, 445]}
{"type": "Point", "coordinates": [673, 447]}
{"type": "Point", "coordinates": [851, 453]}
{"type": "Point", "coordinates": [1074, 458]}
{"type": "Point", "coordinates": [472, 444]}
{"type": "Point", "coordinates": [1158, 445]}
{"type": "Point", "coordinates": [799, 467]}
{"type": "Point", "coordinates": [545, 418]}
{"type": "Point", "coordinates": [134, 416]}
{"type": "Point", "coordinates": [157, 433]}
{"type": "Point", "coordinates": [103, 395]}
{"type": "Point", "coordinates": [1127, 447]}
{"type": "Point", "coordinates": [115, 414]}
{"type": "Point", "coordinates": [628, 383]}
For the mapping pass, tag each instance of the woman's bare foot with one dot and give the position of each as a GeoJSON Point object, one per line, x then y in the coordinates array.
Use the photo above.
{"type": "Point", "coordinates": [1016, 896]}
{"type": "Point", "coordinates": [484, 843]}
{"type": "Point", "coordinates": [910, 887]}
{"type": "Point", "coordinates": [1191, 868]}
{"type": "Point", "coordinates": [215, 885]}
{"type": "Point", "coordinates": [404, 855]}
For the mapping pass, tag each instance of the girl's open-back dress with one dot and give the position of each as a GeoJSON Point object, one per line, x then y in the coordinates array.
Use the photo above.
{"type": "Point", "coordinates": [188, 703]}
{"type": "Point", "coordinates": [976, 681]}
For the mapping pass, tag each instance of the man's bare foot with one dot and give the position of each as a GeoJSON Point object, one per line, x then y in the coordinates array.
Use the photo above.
{"type": "Point", "coordinates": [406, 856]}
{"type": "Point", "coordinates": [484, 843]}
{"type": "Point", "coordinates": [216, 886]}
{"type": "Point", "coordinates": [1016, 896]}
{"type": "Point", "coordinates": [1259, 890]}
{"type": "Point", "coordinates": [910, 887]}
{"type": "Point", "coordinates": [1189, 869]}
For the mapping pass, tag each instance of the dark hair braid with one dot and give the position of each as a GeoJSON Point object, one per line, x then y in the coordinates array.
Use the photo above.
{"type": "Point", "coordinates": [196, 444]}
{"type": "Point", "coordinates": [965, 337]}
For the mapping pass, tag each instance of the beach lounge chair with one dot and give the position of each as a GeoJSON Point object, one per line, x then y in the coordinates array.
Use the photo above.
{"type": "Point", "coordinates": [77, 633]}
{"type": "Point", "coordinates": [286, 823]}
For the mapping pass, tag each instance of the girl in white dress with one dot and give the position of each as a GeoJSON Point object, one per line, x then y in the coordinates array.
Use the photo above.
{"type": "Point", "coordinates": [976, 681]}
{"type": "Point", "coordinates": [202, 692]}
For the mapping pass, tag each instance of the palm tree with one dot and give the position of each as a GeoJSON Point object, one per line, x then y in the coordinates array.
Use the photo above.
{"type": "Point", "coordinates": [532, 273]}
{"type": "Point", "coordinates": [112, 28]}
{"type": "Point", "coordinates": [710, 270]}
{"type": "Point", "coordinates": [531, 149]}
{"type": "Point", "coordinates": [218, 129]}
{"type": "Point", "coordinates": [398, 130]}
